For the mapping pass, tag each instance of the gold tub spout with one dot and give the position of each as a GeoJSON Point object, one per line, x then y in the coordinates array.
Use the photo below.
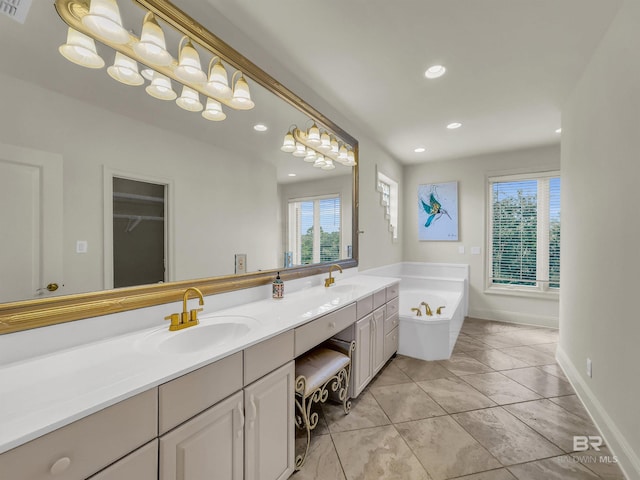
{"type": "Point", "coordinates": [418, 312]}
{"type": "Point", "coordinates": [427, 309]}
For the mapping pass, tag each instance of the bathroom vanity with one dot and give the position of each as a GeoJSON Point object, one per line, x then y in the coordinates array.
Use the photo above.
{"type": "Point", "coordinates": [154, 405]}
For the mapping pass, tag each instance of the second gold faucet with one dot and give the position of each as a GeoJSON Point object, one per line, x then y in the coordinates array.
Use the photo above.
{"type": "Point", "coordinates": [186, 318]}
{"type": "Point", "coordinates": [330, 280]}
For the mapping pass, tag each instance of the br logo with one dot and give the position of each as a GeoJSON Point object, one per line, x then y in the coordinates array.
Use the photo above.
{"type": "Point", "coordinates": [583, 442]}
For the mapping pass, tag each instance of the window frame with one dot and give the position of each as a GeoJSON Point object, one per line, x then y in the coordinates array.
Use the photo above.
{"type": "Point", "coordinates": [541, 289]}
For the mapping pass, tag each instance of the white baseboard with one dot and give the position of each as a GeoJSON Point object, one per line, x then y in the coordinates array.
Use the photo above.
{"type": "Point", "coordinates": [514, 317]}
{"type": "Point", "coordinates": [628, 459]}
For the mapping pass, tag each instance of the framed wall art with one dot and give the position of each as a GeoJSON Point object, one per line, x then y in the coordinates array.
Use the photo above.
{"type": "Point", "coordinates": [438, 211]}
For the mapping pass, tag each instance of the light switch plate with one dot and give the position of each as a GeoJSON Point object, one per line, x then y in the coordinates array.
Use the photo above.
{"type": "Point", "coordinates": [241, 263]}
{"type": "Point", "coordinates": [82, 246]}
{"type": "Point", "coordinates": [461, 249]}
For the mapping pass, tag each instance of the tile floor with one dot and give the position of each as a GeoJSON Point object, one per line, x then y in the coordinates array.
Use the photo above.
{"type": "Point", "coordinates": [499, 409]}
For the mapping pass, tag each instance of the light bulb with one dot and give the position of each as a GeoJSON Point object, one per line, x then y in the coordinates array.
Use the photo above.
{"type": "Point", "coordinates": [125, 70]}
{"type": "Point", "coordinates": [313, 135]}
{"type": "Point", "coordinates": [104, 21]}
{"type": "Point", "coordinates": [311, 156]}
{"type": "Point", "coordinates": [189, 100]}
{"type": "Point", "coordinates": [289, 144]}
{"type": "Point", "coordinates": [152, 47]}
{"type": "Point", "coordinates": [300, 151]}
{"type": "Point", "coordinates": [189, 68]}
{"type": "Point", "coordinates": [325, 142]}
{"type": "Point", "coordinates": [213, 111]}
{"type": "Point", "coordinates": [81, 50]}
{"type": "Point", "coordinates": [241, 98]}
{"type": "Point", "coordinates": [218, 84]}
{"type": "Point", "coordinates": [160, 87]}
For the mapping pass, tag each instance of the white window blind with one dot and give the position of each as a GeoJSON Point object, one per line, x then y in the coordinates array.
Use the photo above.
{"type": "Point", "coordinates": [524, 233]}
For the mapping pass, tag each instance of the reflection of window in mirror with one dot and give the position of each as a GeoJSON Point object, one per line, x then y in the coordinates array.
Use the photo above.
{"type": "Point", "coordinates": [139, 232]}
{"type": "Point", "coordinates": [388, 189]}
{"type": "Point", "coordinates": [314, 233]}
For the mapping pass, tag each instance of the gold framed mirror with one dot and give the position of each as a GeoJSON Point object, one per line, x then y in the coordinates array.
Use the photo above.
{"type": "Point", "coordinates": [24, 314]}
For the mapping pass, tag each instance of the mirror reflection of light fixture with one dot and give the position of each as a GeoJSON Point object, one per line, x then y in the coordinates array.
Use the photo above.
{"type": "Point", "coordinates": [125, 70]}
{"type": "Point", "coordinates": [100, 20]}
{"type": "Point", "coordinates": [81, 50]}
{"type": "Point", "coordinates": [322, 153]}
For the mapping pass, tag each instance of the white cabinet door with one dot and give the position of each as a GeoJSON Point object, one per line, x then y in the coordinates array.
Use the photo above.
{"type": "Point", "coordinates": [362, 368]}
{"type": "Point", "coordinates": [377, 350]}
{"type": "Point", "coordinates": [269, 428]}
{"type": "Point", "coordinates": [209, 445]}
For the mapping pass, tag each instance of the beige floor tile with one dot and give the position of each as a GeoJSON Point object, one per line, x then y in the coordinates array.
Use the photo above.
{"type": "Point", "coordinates": [455, 395]}
{"type": "Point", "coordinates": [530, 356]}
{"type": "Point", "coordinates": [552, 421]}
{"type": "Point", "coordinates": [419, 370]}
{"type": "Point", "coordinates": [602, 462]}
{"type": "Point", "coordinates": [554, 370]}
{"type": "Point", "coordinates": [501, 474]}
{"type": "Point", "coordinates": [540, 382]}
{"type": "Point", "coordinates": [572, 404]}
{"type": "Point", "coordinates": [467, 343]}
{"type": "Point", "coordinates": [462, 364]}
{"type": "Point", "coordinates": [377, 453]}
{"type": "Point", "coordinates": [558, 468]}
{"type": "Point", "coordinates": [506, 437]}
{"type": "Point", "coordinates": [500, 340]}
{"type": "Point", "coordinates": [549, 348]}
{"type": "Point", "coordinates": [499, 388]}
{"type": "Point", "coordinates": [322, 461]}
{"type": "Point", "coordinates": [406, 401]}
{"type": "Point", "coordinates": [496, 359]}
{"type": "Point", "coordinates": [390, 375]}
{"type": "Point", "coordinates": [365, 413]}
{"type": "Point", "coordinates": [445, 449]}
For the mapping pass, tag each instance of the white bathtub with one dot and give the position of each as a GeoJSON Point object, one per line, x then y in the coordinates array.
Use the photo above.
{"type": "Point", "coordinates": [424, 337]}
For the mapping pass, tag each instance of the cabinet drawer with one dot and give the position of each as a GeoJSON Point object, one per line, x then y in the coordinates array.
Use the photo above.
{"type": "Point", "coordinates": [186, 396]}
{"type": "Point", "coordinates": [393, 291]}
{"type": "Point", "coordinates": [86, 446]}
{"type": "Point", "coordinates": [390, 343]}
{"type": "Point", "coordinates": [390, 322]}
{"type": "Point", "coordinates": [364, 306]}
{"type": "Point", "coordinates": [266, 356]}
{"type": "Point", "coordinates": [379, 298]}
{"type": "Point", "coordinates": [139, 465]}
{"type": "Point", "coordinates": [317, 331]}
{"type": "Point", "coordinates": [393, 307]}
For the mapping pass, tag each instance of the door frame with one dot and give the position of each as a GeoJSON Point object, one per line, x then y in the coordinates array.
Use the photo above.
{"type": "Point", "coordinates": [169, 257]}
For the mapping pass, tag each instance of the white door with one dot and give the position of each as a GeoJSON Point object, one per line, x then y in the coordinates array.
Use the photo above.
{"type": "Point", "coordinates": [361, 370]}
{"type": "Point", "coordinates": [31, 223]}
{"type": "Point", "coordinates": [377, 356]}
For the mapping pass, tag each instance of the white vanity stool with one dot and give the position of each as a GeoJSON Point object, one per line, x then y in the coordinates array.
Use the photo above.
{"type": "Point", "coordinates": [320, 371]}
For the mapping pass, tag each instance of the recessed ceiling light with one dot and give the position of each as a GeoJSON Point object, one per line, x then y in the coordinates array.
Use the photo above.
{"type": "Point", "coordinates": [558, 130]}
{"type": "Point", "coordinates": [419, 149]}
{"type": "Point", "coordinates": [259, 127]}
{"type": "Point", "coordinates": [435, 71]}
{"type": "Point", "coordinates": [292, 174]}
{"type": "Point", "coordinates": [454, 125]}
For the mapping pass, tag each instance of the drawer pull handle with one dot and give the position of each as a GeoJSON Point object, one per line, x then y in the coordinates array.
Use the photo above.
{"type": "Point", "coordinates": [60, 466]}
{"type": "Point", "coordinates": [254, 413]}
{"type": "Point", "coordinates": [241, 413]}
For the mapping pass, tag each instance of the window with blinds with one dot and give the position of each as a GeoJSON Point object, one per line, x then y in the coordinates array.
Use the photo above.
{"type": "Point", "coordinates": [524, 231]}
{"type": "Point", "coordinates": [314, 230]}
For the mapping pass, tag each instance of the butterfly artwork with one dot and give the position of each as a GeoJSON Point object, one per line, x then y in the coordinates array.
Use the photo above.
{"type": "Point", "coordinates": [438, 211]}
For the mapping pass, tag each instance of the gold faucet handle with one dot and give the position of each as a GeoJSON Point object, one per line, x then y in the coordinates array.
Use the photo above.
{"type": "Point", "coordinates": [194, 314]}
{"type": "Point", "coordinates": [418, 312]}
{"type": "Point", "coordinates": [439, 310]}
{"type": "Point", "coordinates": [175, 319]}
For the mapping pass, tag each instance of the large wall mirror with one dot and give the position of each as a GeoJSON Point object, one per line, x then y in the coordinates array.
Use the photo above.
{"type": "Point", "coordinates": [99, 180]}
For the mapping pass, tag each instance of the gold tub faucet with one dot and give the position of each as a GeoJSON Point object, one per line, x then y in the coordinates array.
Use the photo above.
{"type": "Point", "coordinates": [439, 310]}
{"type": "Point", "coordinates": [186, 318]}
{"type": "Point", "coordinates": [427, 309]}
{"type": "Point", "coordinates": [330, 281]}
{"type": "Point", "coordinates": [418, 312]}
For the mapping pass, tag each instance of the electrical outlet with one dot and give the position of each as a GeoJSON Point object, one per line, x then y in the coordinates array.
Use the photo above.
{"type": "Point", "coordinates": [589, 369]}
{"type": "Point", "coordinates": [461, 249]}
{"type": "Point", "coordinates": [82, 246]}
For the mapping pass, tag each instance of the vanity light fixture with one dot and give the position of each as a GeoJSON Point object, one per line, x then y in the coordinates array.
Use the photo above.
{"type": "Point", "coordinates": [319, 148]}
{"type": "Point", "coordinates": [435, 71]}
{"type": "Point", "coordinates": [100, 20]}
{"type": "Point", "coordinates": [454, 125]}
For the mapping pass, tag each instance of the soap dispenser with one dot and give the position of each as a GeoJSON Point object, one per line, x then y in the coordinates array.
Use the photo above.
{"type": "Point", "coordinates": [278, 287]}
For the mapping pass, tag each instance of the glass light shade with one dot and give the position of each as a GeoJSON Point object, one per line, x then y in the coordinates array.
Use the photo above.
{"type": "Point", "coordinates": [300, 151]}
{"type": "Point", "coordinates": [311, 156]}
{"type": "Point", "coordinates": [104, 20]}
{"type": "Point", "coordinates": [160, 87]}
{"type": "Point", "coordinates": [125, 70]}
{"type": "Point", "coordinates": [342, 154]}
{"type": "Point", "coordinates": [351, 158]}
{"type": "Point", "coordinates": [189, 68]}
{"type": "Point", "coordinates": [152, 47]}
{"type": "Point", "coordinates": [147, 73]}
{"type": "Point", "coordinates": [218, 84]}
{"type": "Point", "coordinates": [241, 98]}
{"type": "Point", "coordinates": [313, 135]}
{"type": "Point", "coordinates": [189, 100]}
{"type": "Point", "coordinates": [81, 50]}
{"type": "Point", "coordinates": [213, 111]}
{"type": "Point", "coordinates": [334, 146]}
{"type": "Point", "coordinates": [325, 142]}
{"type": "Point", "coordinates": [319, 163]}
{"type": "Point", "coordinates": [328, 164]}
{"type": "Point", "coordinates": [289, 144]}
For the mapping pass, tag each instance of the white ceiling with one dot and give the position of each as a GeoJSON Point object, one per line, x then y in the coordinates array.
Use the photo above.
{"type": "Point", "coordinates": [510, 64]}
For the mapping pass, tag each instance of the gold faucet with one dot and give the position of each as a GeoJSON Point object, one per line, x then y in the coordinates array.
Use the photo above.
{"type": "Point", "coordinates": [418, 312]}
{"type": "Point", "coordinates": [186, 318]}
{"type": "Point", "coordinates": [427, 309]}
{"type": "Point", "coordinates": [330, 281]}
{"type": "Point", "coordinates": [439, 310]}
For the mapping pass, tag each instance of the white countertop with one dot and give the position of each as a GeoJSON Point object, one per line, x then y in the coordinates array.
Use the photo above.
{"type": "Point", "coordinates": [45, 393]}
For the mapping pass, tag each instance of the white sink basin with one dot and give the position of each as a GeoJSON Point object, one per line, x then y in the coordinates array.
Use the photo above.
{"type": "Point", "coordinates": [211, 332]}
{"type": "Point", "coordinates": [337, 288]}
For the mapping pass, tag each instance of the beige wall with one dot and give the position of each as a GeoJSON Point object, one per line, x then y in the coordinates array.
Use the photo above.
{"type": "Point", "coordinates": [471, 174]}
{"type": "Point", "coordinates": [600, 230]}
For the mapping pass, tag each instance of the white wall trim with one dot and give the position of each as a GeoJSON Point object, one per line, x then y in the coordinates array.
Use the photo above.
{"type": "Point", "coordinates": [628, 460]}
{"type": "Point", "coordinates": [514, 317]}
